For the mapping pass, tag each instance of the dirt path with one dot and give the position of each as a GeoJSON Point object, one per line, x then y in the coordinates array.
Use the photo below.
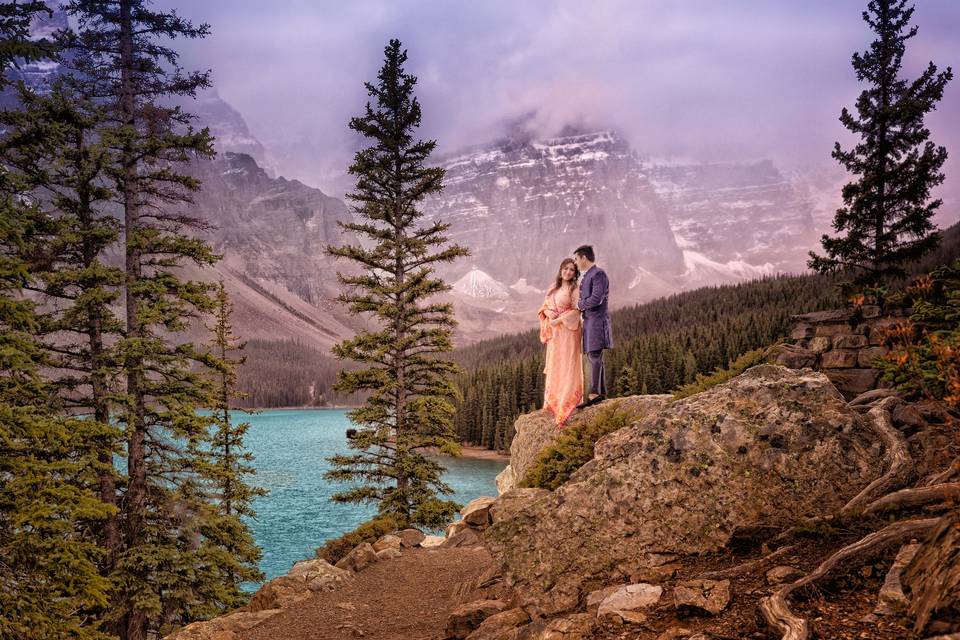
{"type": "Point", "coordinates": [407, 598]}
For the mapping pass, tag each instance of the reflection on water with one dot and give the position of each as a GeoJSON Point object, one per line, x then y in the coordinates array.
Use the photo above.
{"type": "Point", "coordinates": [291, 448]}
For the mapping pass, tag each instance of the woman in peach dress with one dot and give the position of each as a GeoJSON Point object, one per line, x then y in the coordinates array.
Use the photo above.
{"type": "Point", "coordinates": [560, 331]}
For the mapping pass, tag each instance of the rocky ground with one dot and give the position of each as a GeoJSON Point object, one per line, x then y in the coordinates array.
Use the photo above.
{"type": "Point", "coordinates": [769, 507]}
{"type": "Point", "coordinates": [402, 598]}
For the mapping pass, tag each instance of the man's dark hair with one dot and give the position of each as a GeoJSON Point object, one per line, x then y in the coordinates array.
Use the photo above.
{"type": "Point", "coordinates": [586, 251]}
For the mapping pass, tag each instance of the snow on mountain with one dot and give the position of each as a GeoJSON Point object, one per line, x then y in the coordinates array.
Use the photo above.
{"type": "Point", "coordinates": [522, 287]}
{"type": "Point", "coordinates": [731, 213]}
{"type": "Point", "coordinates": [477, 284]}
{"type": "Point", "coordinates": [522, 205]}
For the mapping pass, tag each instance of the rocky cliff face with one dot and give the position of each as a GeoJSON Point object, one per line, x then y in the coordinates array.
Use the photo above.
{"type": "Point", "coordinates": [767, 447]}
{"type": "Point", "coordinates": [523, 204]}
{"type": "Point", "coordinates": [273, 234]}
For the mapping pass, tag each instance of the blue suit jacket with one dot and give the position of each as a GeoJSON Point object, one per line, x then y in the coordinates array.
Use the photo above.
{"type": "Point", "coordinates": [594, 291]}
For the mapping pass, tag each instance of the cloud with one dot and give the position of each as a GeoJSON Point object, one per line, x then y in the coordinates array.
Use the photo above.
{"type": "Point", "coordinates": [735, 80]}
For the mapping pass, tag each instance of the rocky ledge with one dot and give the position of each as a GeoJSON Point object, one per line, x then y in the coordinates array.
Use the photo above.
{"type": "Point", "coordinates": [762, 450]}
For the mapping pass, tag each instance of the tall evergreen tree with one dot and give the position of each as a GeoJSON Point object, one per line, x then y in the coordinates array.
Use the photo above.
{"type": "Point", "coordinates": [52, 149]}
{"type": "Point", "coordinates": [170, 568]}
{"type": "Point", "coordinates": [228, 466]}
{"type": "Point", "coordinates": [49, 579]}
{"type": "Point", "coordinates": [886, 219]}
{"type": "Point", "coordinates": [409, 409]}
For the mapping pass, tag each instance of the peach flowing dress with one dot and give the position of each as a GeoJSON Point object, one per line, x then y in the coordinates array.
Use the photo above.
{"type": "Point", "coordinates": [563, 388]}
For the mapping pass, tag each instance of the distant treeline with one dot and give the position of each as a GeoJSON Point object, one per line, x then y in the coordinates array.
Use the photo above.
{"type": "Point", "coordinates": [288, 373]}
{"type": "Point", "coordinates": [659, 345]}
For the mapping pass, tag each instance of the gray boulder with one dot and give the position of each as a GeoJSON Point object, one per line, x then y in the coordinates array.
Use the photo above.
{"type": "Point", "coordinates": [763, 449]}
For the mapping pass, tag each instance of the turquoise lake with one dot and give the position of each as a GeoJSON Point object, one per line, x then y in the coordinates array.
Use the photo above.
{"type": "Point", "coordinates": [291, 448]}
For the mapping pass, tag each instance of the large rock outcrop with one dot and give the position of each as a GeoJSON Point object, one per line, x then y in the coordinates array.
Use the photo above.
{"type": "Point", "coordinates": [536, 431]}
{"type": "Point", "coordinates": [763, 449]}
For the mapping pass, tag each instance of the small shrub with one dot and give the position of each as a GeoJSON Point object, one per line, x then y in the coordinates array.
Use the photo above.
{"type": "Point", "coordinates": [370, 531]}
{"type": "Point", "coordinates": [574, 448]}
{"type": "Point", "coordinates": [924, 360]}
{"type": "Point", "coordinates": [719, 376]}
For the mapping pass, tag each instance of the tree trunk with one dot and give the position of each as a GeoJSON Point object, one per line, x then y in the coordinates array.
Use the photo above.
{"type": "Point", "coordinates": [135, 503]}
{"type": "Point", "coordinates": [933, 578]}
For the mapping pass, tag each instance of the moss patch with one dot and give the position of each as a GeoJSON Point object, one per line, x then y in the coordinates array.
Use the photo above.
{"type": "Point", "coordinates": [574, 448]}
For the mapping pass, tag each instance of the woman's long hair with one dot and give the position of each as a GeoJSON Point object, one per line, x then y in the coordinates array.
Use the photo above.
{"type": "Point", "coordinates": [559, 281]}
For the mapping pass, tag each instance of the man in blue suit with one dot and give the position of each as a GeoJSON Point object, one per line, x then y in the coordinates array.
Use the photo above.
{"type": "Point", "coordinates": [597, 336]}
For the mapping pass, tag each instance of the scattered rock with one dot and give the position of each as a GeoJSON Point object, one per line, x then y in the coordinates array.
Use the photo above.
{"type": "Point", "coordinates": [303, 579]}
{"type": "Point", "coordinates": [594, 598]}
{"type": "Point", "coordinates": [630, 598]}
{"type": "Point", "coordinates": [477, 512]}
{"type": "Point", "coordinates": [576, 627]}
{"type": "Point", "coordinates": [465, 538]}
{"type": "Point", "coordinates": [467, 617]}
{"type": "Point", "coordinates": [905, 415]}
{"type": "Point", "coordinates": [388, 554]}
{"type": "Point", "coordinates": [932, 411]}
{"type": "Point", "coordinates": [655, 575]}
{"type": "Point", "coordinates": [359, 558]}
{"type": "Point", "coordinates": [763, 449]}
{"type": "Point", "coordinates": [353, 630]}
{"type": "Point", "coordinates": [782, 574]}
{"type": "Point", "coordinates": [226, 627]}
{"type": "Point", "coordinates": [709, 596]}
{"type": "Point", "coordinates": [494, 627]}
{"type": "Point", "coordinates": [455, 527]}
{"type": "Point", "coordinates": [410, 537]}
{"type": "Point", "coordinates": [387, 542]}
{"type": "Point", "coordinates": [675, 633]}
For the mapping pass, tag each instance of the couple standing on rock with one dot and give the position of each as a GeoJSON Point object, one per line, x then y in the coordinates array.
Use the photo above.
{"type": "Point", "coordinates": [574, 320]}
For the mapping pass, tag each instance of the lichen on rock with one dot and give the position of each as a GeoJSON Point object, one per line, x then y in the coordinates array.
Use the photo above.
{"type": "Point", "coordinates": [764, 449]}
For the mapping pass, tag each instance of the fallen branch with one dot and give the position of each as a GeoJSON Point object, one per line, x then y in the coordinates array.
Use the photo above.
{"type": "Point", "coordinates": [900, 465]}
{"type": "Point", "coordinates": [915, 497]}
{"type": "Point", "coordinates": [776, 609]}
{"type": "Point", "coordinates": [746, 567]}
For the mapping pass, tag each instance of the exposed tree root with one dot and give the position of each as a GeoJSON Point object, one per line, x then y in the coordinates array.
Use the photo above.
{"type": "Point", "coordinates": [945, 475]}
{"type": "Point", "coordinates": [776, 609]}
{"type": "Point", "coordinates": [748, 566]}
{"type": "Point", "coordinates": [915, 497]}
{"type": "Point", "coordinates": [900, 465]}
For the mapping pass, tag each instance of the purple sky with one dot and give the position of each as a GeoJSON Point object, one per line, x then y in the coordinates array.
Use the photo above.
{"type": "Point", "coordinates": [739, 79]}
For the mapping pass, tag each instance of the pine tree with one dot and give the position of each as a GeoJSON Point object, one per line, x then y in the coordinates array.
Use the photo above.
{"type": "Point", "coordinates": [167, 572]}
{"type": "Point", "coordinates": [49, 579]}
{"type": "Point", "coordinates": [228, 464]}
{"type": "Point", "coordinates": [52, 149]}
{"type": "Point", "coordinates": [886, 220]}
{"type": "Point", "coordinates": [410, 408]}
